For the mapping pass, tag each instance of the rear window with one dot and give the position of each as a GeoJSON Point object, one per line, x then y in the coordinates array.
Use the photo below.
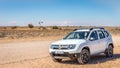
{"type": "Point", "coordinates": [101, 34]}
{"type": "Point", "coordinates": [106, 33]}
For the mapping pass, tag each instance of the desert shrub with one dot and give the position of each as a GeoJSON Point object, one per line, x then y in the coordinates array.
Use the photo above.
{"type": "Point", "coordinates": [2, 35]}
{"type": "Point", "coordinates": [60, 28]}
{"type": "Point", "coordinates": [30, 25]}
{"type": "Point", "coordinates": [55, 27]}
{"type": "Point", "coordinates": [42, 28]}
{"type": "Point", "coordinates": [4, 27]}
{"type": "Point", "coordinates": [13, 27]}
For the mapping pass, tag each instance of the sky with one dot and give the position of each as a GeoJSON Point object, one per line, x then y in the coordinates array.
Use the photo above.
{"type": "Point", "coordinates": [60, 12]}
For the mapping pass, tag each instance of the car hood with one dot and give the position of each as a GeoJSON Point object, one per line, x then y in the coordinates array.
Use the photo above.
{"type": "Point", "coordinates": [70, 41]}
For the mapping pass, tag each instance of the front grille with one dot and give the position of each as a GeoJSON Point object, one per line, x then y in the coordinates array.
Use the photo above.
{"type": "Point", "coordinates": [63, 55]}
{"type": "Point", "coordinates": [60, 47]}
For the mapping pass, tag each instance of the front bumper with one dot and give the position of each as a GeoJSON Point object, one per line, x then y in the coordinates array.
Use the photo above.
{"type": "Point", "coordinates": [64, 55]}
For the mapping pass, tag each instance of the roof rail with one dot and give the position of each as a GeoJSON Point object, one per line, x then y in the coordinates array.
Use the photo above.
{"type": "Point", "coordinates": [90, 28]}
{"type": "Point", "coordinates": [96, 28]}
{"type": "Point", "coordinates": [80, 29]}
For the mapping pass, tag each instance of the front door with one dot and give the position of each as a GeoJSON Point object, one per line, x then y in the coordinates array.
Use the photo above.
{"type": "Point", "coordinates": [94, 43]}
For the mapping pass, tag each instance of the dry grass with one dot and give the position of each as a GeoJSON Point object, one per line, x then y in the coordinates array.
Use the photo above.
{"type": "Point", "coordinates": [25, 32]}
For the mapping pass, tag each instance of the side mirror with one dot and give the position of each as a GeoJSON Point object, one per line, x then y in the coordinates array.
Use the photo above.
{"type": "Point", "coordinates": [91, 39]}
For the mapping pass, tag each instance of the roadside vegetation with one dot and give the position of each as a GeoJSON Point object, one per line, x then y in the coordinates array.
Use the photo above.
{"type": "Point", "coordinates": [42, 31]}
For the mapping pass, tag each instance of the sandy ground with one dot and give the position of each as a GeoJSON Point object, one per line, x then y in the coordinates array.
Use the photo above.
{"type": "Point", "coordinates": [34, 54]}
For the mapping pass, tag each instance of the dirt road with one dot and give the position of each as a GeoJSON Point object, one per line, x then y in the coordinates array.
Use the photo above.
{"type": "Point", "coordinates": [35, 54]}
{"type": "Point", "coordinates": [18, 51]}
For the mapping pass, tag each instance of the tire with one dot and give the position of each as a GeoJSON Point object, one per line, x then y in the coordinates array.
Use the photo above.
{"type": "Point", "coordinates": [109, 51]}
{"type": "Point", "coordinates": [84, 57]}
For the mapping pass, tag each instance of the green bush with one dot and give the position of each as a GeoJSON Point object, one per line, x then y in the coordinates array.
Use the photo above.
{"type": "Point", "coordinates": [30, 25]}
{"type": "Point", "coordinates": [55, 27]}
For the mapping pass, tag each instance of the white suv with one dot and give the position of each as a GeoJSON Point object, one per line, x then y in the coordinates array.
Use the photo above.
{"type": "Point", "coordinates": [81, 44]}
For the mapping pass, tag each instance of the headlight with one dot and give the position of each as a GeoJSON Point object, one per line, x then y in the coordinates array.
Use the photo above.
{"type": "Point", "coordinates": [54, 46]}
{"type": "Point", "coordinates": [72, 46]}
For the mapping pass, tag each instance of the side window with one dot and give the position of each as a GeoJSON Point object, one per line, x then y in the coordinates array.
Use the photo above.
{"type": "Point", "coordinates": [106, 33]}
{"type": "Point", "coordinates": [101, 34]}
{"type": "Point", "coordinates": [94, 36]}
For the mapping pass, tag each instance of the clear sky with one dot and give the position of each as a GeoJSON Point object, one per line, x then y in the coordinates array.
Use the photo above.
{"type": "Point", "coordinates": [60, 12]}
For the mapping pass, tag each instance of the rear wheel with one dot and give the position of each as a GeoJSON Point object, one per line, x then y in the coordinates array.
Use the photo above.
{"type": "Point", "coordinates": [84, 57]}
{"type": "Point", "coordinates": [109, 51]}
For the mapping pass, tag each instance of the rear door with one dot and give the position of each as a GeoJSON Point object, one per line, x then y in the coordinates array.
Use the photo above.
{"type": "Point", "coordinates": [102, 41]}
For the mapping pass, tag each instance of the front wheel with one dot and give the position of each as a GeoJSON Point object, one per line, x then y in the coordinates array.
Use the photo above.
{"type": "Point", "coordinates": [84, 57]}
{"type": "Point", "coordinates": [109, 51]}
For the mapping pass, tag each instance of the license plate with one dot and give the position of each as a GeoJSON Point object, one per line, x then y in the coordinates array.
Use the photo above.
{"type": "Point", "coordinates": [59, 52]}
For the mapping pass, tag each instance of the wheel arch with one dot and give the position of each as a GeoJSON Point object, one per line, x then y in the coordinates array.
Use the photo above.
{"type": "Point", "coordinates": [86, 48]}
{"type": "Point", "coordinates": [111, 45]}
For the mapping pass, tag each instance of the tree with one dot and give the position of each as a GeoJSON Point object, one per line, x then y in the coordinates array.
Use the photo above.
{"type": "Point", "coordinates": [40, 22]}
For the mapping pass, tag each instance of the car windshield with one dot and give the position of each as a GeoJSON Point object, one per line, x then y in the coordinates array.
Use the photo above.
{"type": "Point", "coordinates": [77, 35]}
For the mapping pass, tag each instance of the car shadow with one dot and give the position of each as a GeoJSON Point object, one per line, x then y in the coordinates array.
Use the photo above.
{"type": "Point", "coordinates": [94, 59]}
